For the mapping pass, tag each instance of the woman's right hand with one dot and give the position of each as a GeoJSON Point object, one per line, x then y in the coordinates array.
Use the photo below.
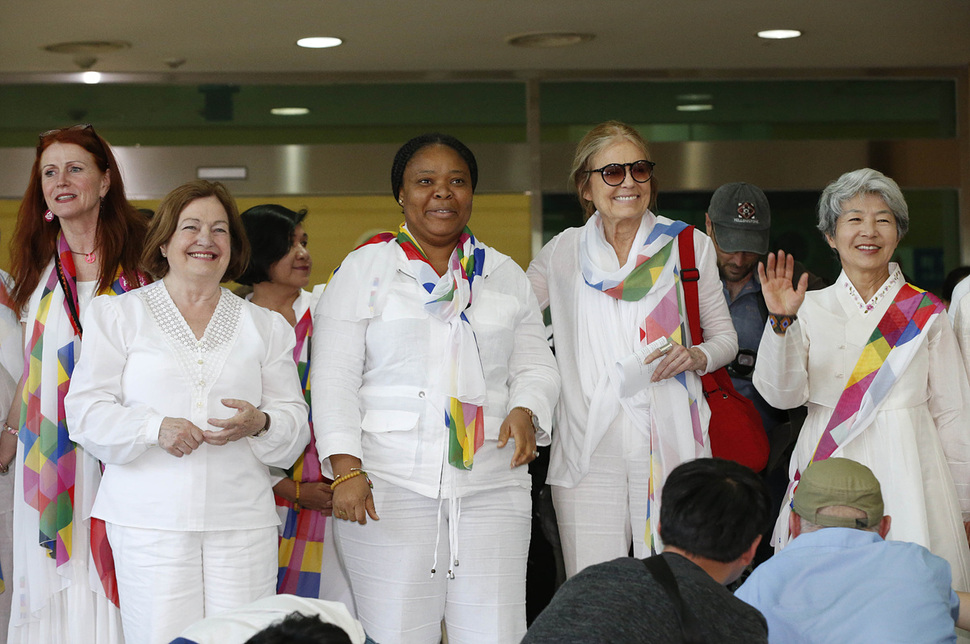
{"type": "Point", "coordinates": [179, 437]}
{"type": "Point", "coordinates": [776, 284]}
{"type": "Point", "coordinates": [353, 500]}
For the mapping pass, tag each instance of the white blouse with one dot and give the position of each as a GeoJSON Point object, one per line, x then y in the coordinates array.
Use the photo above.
{"type": "Point", "coordinates": [379, 370]}
{"type": "Point", "coordinates": [141, 363]}
{"type": "Point", "coordinates": [557, 279]}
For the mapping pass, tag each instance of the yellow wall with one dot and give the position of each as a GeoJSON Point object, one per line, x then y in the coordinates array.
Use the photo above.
{"type": "Point", "coordinates": [337, 224]}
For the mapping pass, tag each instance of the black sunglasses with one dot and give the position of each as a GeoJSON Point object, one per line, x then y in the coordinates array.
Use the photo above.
{"type": "Point", "coordinates": [614, 173]}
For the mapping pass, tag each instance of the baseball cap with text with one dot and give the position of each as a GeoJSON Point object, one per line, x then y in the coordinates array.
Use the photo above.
{"type": "Point", "coordinates": [741, 218]}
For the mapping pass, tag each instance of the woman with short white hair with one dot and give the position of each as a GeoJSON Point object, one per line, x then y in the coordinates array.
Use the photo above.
{"type": "Point", "coordinates": [878, 365]}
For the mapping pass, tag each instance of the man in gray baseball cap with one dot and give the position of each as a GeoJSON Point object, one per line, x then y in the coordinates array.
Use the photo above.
{"type": "Point", "coordinates": [738, 221]}
{"type": "Point", "coordinates": [839, 580]}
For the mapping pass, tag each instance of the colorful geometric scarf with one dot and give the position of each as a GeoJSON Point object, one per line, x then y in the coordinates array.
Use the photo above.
{"type": "Point", "coordinates": [301, 546]}
{"type": "Point", "coordinates": [450, 294]}
{"type": "Point", "coordinates": [665, 319]}
{"type": "Point", "coordinates": [890, 349]}
{"type": "Point", "coordinates": [49, 453]}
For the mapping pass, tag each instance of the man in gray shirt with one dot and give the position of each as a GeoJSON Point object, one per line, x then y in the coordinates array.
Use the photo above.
{"type": "Point", "coordinates": [712, 515]}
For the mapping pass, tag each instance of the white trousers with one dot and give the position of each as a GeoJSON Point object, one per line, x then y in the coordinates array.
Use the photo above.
{"type": "Point", "coordinates": [607, 511]}
{"type": "Point", "coordinates": [169, 579]}
{"type": "Point", "coordinates": [390, 562]}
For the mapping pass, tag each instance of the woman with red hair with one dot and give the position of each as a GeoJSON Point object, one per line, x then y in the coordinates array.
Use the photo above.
{"type": "Point", "coordinates": [76, 237]}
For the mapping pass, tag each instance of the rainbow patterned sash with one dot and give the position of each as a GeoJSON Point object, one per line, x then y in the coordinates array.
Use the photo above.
{"type": "Point", "coordinates": [666, 319]}
{"type": "Point", "coordinates": [301, 545]}
{"type": "Point", "coordinates": [49, 454]}
{"type": "Point", "coordinates": [450, 294]}
{"type": "Point", "coordinates": [890, 349]}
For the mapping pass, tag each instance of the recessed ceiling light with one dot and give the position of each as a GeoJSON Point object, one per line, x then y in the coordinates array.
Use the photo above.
{"type": "Point", "coordinates": [289, 111]}
{"type": "Point", "coordinates": [91, 78]}
{"type": "Point", "coordinates": [320, 42]}
{"type": "Point", "coordinates": [548, 39]}
{"type": "Point", "coordinates": [779, 34]}
{"type": "Point", "coordinates": [695, 107]}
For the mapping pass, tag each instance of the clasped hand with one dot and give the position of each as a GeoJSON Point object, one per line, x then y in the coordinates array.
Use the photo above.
{"type": "Point", "coordinates": [180, 436]}
{"type": "Point", "coordinates": [676, 359]}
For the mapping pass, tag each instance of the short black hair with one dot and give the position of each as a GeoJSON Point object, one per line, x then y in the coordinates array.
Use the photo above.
{"type": "Point", "coordinates": [269, 228]}
{"type": "Point", "coordinates": [713, 508]}
{"type": "Point", "coordinates": [298, 628]}
{"type": "Point", "coordinates": [411, 148]}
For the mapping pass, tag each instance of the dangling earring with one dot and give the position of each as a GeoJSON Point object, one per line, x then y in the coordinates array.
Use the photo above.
{"type": "Point", "coordinates": [48, 216]}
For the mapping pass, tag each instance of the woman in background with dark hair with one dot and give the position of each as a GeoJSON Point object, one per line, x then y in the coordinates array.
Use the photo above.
{"type": "Point", "coordinates": [76, 236]}
{"type": "Point", "coordinates": [430, 355]}
{"type": "Point", "coordinates": [279, 271]}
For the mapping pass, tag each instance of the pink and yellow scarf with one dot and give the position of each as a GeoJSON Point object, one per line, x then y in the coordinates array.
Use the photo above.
{"type": "Point", "coordinates": [890, 349]}
{"type": "Point", "coordinates": [49, 453]}
{"type": "Point", "coordinates": [656, 272]}
{"type": "Point", "coordinates": [301, 545]}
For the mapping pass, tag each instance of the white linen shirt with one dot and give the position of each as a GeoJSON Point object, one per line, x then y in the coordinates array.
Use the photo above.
{"type": "Point", "coordinates": [557, 278]}
{"type": "Point", "coordinates": [133, 373]}
{"type": "Point", "coordinates": [380, 368]}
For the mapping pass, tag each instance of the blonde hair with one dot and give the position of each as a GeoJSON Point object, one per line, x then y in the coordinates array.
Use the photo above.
{"type": "Point", "coordinates": [595, 141]}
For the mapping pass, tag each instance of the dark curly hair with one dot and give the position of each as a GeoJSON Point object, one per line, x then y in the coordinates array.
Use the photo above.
{"type": "Point", "coordinates": [298, 628]}
{"type": "Point", "coordinates": [271, 226]}
{"type": "Point", "coordinates": [411, 148]}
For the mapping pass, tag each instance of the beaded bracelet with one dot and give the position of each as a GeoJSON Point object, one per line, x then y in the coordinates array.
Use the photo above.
{"type": "Point", "coordinates": [296, 503]}
{"type": "Point", "coordinates": [356, 471]}
{"type": "Point", "coordinates": [780, 323]}
{"type": "Point", "coordinates": [10, 429]}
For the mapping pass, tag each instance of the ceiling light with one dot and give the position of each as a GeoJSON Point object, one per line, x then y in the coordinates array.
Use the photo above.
{"type": "Point", "coordinates": [779, 34]}
{"type": "Point", "coordinates": [289, 111]}
{"type": "Point", "coordinates": [91, 78]}
{"type": "Point", "coordinates": [695, 107]}
{"type": "Point", "coordinates": [321, 42]}
{"type": "Point", "coordinates": [545, 40]}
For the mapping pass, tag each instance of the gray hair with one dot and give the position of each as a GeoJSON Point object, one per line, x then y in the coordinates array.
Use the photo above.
{"type": "Point", "coordinates": [860, 182]}
{"type": "Point", "coordinates": [836, 511]}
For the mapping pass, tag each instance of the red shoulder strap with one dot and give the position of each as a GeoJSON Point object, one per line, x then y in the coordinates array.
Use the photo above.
{"type": "Point", "coordinates": [689, 275]}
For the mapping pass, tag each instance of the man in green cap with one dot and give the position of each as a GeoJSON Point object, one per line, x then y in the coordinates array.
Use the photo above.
{"type": "Point", "coordinates": [839, 580]}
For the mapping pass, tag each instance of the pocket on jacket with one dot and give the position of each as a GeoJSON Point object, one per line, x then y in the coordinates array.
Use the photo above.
{"type": "Point", "coordinates": [387, 420]}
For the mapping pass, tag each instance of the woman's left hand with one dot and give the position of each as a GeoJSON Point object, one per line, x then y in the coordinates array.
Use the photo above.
{"type": "Point", "coordinates": [518, 425]}
{"type": "Point", "coordinates": [677, 360]}
{"type": "Point", "coordinates": [246, 422]}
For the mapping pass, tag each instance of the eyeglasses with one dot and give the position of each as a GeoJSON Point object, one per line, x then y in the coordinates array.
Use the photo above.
{"type": "Point", "coordinates": [614, 173]}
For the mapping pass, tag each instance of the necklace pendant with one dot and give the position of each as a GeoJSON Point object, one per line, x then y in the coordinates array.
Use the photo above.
{"type": "Point", "coordinates": [90, 258]}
